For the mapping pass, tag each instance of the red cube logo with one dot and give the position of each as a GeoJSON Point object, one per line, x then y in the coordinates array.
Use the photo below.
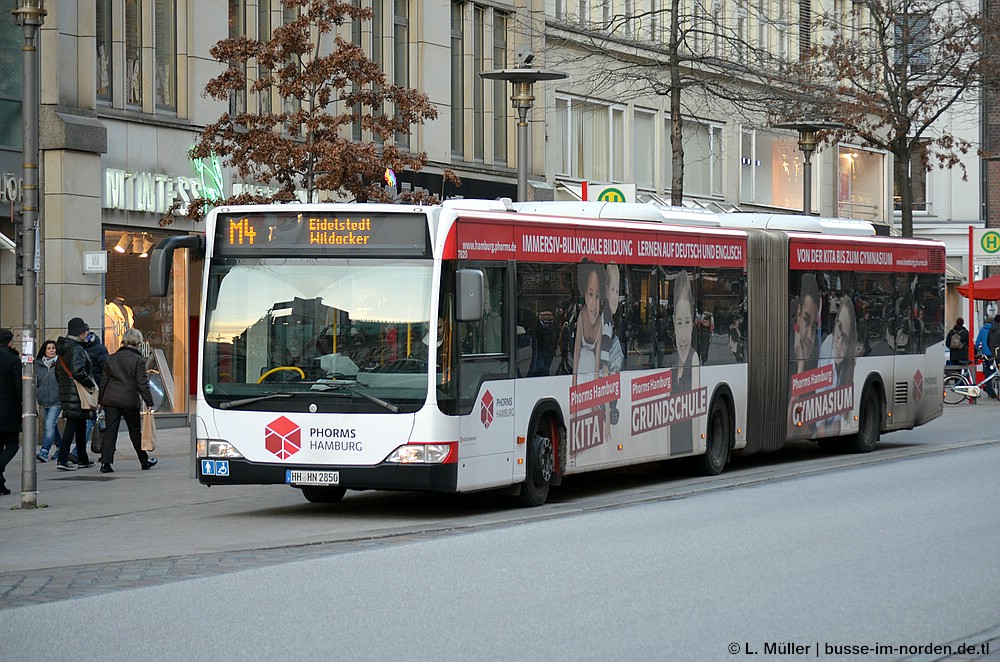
{"type": "Point", "coordinates": [486, 409]}
{"type": "Point", "coordinates": [918, 386]}
{"type": "Point", "coordinates": [282, 437]}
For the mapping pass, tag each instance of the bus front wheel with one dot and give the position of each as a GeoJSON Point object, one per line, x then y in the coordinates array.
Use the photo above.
{"type": "Point", "coordinates": [324, 494]}
{"type": "Point", "coordinates": [541, 465]}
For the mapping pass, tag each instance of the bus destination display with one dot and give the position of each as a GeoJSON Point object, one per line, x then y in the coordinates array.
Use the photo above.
{"type": "Point", "coordinates": [320, 233]}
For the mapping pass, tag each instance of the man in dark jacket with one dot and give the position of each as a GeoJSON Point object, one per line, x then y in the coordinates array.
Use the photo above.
{"type": "Point", "coordinates": [10, 403]}
{"type": "Point", "coordinates": [98, 354]}
{"type": "Point", "coordinates": [74, 366]}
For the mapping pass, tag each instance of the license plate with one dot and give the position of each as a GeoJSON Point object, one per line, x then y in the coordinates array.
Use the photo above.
{"type": "Point", "coordinates": [296, 477]}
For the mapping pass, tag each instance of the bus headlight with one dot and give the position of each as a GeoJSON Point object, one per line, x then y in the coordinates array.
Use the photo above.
{"type": "Point", "coordinates": [217, 448]}
{"type": "Point", "coordinates": [421, 453]}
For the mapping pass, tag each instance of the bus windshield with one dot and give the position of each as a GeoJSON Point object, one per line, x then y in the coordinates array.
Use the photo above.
{"type": "Point", "coordinates": [350, 334]}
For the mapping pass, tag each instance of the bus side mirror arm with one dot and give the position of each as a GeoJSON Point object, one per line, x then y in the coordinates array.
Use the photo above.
{"type": "Point", "coordinates": [469, 288]}
{"type": "Point", "coordinates": [162, 258]}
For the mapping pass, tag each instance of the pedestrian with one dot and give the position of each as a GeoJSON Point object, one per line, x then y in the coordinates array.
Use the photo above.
{"type": "Point", "coordinates": [98, 357]}
{"type": "Point", "coordinates": [957, 342]}
{"type": "Point", "coordinates": [74, 366]}
{"type": "Point", "coordinates": [47, 396]}
{"type": "Point", "coordinates": [982, 347]}
{"type": "Point", "coordinates": [10, 403]}
{"type": "Point", "coordinates": [123, 383]}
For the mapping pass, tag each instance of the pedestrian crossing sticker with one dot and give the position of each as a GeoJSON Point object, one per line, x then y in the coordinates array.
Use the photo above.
{"type": "Point", "coordinates": [214, 468]}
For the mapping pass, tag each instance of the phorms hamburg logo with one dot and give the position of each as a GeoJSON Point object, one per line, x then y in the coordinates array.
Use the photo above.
{"type": "Point", "coordinates": [283, 438]}
{"type": "Point", "coordinates": [486, 409]}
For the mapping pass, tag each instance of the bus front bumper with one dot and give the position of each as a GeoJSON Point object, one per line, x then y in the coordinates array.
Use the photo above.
{"type": "Point", "coordinates": [386, 476]}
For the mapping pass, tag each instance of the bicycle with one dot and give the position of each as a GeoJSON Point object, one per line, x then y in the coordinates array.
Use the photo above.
{"type": "Point", "coordinates": [961, 384]}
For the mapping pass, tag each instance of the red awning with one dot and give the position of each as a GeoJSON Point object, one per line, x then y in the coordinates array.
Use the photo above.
{"type": "Point", "coordinates": [987, 289]}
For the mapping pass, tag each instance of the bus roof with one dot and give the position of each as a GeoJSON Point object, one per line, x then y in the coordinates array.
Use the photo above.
{"type": "Point", "coordinates": [622, 211]}
{"type": "Point", "coordinates": [797, 223]}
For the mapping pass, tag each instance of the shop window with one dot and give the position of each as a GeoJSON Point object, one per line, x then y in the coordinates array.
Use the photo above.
{"type": "Point", "coordinates": [771, 170]}
{"type": "Point", "coordinates": [918, 179]}
{"type": "Point", "coordinates": [859, 184]}
{"type": "Point", "coordinates": [163, 321]}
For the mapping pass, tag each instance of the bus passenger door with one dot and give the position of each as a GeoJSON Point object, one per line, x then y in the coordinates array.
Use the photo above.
{"type": "Point", "coordinates": [486, 390]}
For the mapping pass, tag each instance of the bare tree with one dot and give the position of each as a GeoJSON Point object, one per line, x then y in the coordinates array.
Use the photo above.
{"type": "Point", "coordinates": [888, 70]}
{"type": "Point", "coordinates": [698, 54]}
{"type": "Point", "coordinates": [325, 85]}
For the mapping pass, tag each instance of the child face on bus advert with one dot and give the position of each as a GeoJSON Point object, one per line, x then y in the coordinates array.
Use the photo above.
{"type": "Point", "coordinates": [613, 288]}
{"type": "Point", "coordinates": [683, 324]}
{"type": "Point", "coordinates": [592, 295]}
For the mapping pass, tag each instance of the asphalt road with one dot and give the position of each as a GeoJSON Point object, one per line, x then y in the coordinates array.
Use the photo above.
{"type": "Point", "coordinates": [841, 551]}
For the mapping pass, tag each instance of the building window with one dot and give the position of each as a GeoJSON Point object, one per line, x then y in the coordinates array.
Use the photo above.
{"type": "Point", "coordinates": [590, 139]}
{"type": "Point", "coordinates": [805, 27]}
{"type": "Point", "coordinates": [457, 80]}
{"type": "Point", "coordinates": [918, 179]}
{"type": "Point", "coordinates": [485, 50]}
{"type": "Point", "coordinates": [860, 188]}
{"type": "Point", "coordinates": [500, 89]}
{"type": "Point", "coordinates": [702, 158]}
{"type": "Point", "coordinates": [105, 71]}
{"type": "Point", "coordinates": [401, 54]}
{"type": "Point", "coordinates": [11, 124]}
{"type": "Point", "coordinates": [911, 47]}
{"type": "Point", "coordinates": [133, 52]}
{"type": "Point", "coordinates": [478, 84]}
{"type": "Point", "coordinates": [771, 171]}
{"type": "Point", "coordinates": [237, 28]}
{"type": "Point", "coordinates": [263, 34]}
{"type": "Point", "coordinates": [644, 157]}
{"type": "Point", "coordinates": [165, 49]}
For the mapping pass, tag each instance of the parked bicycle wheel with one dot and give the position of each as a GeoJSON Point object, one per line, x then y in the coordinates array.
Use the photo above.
{"type": "Point", "coordinates": [951, 396]}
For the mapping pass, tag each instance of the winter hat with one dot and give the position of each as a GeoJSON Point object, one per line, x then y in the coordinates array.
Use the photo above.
{"type": "Point", "coordinates": [77, 326]}
{"type": "Point", "coordinates": [6, 335]}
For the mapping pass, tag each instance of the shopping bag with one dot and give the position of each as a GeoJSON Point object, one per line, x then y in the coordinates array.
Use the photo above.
{"type": "Point", "coordinates": [148, 431]}
{"type": "Point", "coordinates": [95, 439]}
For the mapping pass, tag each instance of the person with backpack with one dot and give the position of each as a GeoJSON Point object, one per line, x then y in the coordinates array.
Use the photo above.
{"type": "Point", "coordinates": [984, 349]}
{"type": "Point", "coordinates": [958, 343]}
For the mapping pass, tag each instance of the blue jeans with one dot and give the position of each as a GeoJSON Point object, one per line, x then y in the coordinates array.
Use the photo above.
{"type": "Point", "coordinates": [51, 416]}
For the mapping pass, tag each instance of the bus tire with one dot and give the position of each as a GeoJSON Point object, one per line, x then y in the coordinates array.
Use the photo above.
{"type": "Point", "coordinates": [541, 465]}
{"type": "Point", "coordinates": [324, 494]}
{"type": "Point", "coordinates": [869, 423]}
{"type": "Point", "coordinates": [718, 440]}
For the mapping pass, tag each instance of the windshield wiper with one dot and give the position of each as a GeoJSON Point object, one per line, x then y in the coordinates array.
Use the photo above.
{"type": "Point", "coordinates": [246, 401]}
{"type": "Point", "coordinates": [351, 386]}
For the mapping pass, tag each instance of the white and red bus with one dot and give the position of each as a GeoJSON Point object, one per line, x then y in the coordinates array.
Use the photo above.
{"type": "Point", "coordinates": [479, 344]}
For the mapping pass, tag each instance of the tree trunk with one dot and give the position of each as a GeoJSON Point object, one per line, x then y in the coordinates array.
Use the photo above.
{"type": "Point", "coordinates": [904, 188]}
{"type": "Point", "coordinates": [676, 135]}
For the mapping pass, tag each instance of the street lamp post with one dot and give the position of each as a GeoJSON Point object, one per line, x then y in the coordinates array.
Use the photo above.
{"type": "Point", "coordinates": [29, 14]}
{"type": "Point", "coordinates": [523, 79]}
{"type": "Point", "coordinates": [807, 143]}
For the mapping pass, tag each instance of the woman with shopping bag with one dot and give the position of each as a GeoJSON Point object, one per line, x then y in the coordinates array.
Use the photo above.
{"type": "Point", "coordinates": [123, 382]}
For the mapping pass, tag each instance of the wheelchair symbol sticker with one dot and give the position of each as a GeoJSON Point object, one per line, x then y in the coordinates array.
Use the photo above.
{"type": "Point", "coordinates": [214, 468]}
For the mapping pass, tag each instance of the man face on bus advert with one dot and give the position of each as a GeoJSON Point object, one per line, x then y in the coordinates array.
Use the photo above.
{"type": "Point", "coordinates": [806, 321]}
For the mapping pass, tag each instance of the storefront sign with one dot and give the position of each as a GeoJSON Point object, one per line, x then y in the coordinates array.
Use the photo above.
{"type": "Point", "coordinates": [155, 192]}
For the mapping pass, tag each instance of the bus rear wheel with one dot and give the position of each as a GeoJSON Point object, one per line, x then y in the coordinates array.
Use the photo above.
{"type": "Point", "coordinates": [541, 460]}
{"type": "Point", "coordinates": [718, 441]}
{"type": "Point", "coordinates": [869, 424]}
{"type": "Point", "coordinates": [324, 494]}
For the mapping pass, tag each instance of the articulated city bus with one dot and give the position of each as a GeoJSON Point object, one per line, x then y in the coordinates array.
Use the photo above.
{"type": "Point", "coordinates": [482, 344]}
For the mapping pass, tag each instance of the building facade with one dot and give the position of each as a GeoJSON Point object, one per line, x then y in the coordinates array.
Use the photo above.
{"type": "Point", "coordinates": [122, 103]}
